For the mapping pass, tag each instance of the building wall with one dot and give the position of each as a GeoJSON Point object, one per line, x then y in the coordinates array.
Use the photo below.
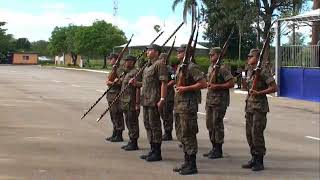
{"type": "Point", "coordinates": [25, 58]}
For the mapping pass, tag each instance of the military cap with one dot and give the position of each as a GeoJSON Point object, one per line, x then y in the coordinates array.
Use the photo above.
{"type": "Point", "coordinates": [113, 55]}
{"type": "Point", "coordinates": [155, 47]}
{"type": "Point", "coordinates": [130, 58]}
{"type": "Point", "coordinates": [215, 50]}
{"type": "Point", "coordinates": [163, 56]}
{"type": "Point", "coordinates": [254, 52]}
{"type": "Point", "coordinates": [183, 48]}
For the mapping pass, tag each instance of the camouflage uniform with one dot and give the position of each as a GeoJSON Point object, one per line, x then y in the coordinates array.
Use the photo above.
{"type": "Point", "coordinates": [151, 84]}
{"type": "Point", "coordinates": [216, 105]}
{"type": "Point", "coordinates": [167, 111]}
{"type": "Point", "coordinates": [116, 113]}
{"type": "Point", "coordinates": [128, 104]}
{"type": "Point", "coordinates": [186, 108]}
{"type": "Point", "coordinates": [256, 112]}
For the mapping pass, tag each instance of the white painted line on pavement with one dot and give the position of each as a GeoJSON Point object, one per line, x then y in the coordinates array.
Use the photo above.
{"type": "Point", "coordinates": [90, 70]}
{"type": "Point", "coordinates": [310, 137]}
{"type": "Point", "coordinates": [74, 85]}
{"type": "Point", "coordinates": [98, 90]}
{"type": "Point", "coordinates": [246, 92]}
{"type": "Point", "coordinates": [56, 81]}
{"type": "Point", "coordinates": [202, 113]}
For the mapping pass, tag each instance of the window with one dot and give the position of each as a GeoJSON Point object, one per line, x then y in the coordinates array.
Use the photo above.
{"type": "Point", "coordinates": [25, 58]}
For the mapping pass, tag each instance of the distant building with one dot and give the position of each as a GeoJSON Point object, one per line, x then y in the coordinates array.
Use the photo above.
{"type": "Point", "coordinates": [23, 58]}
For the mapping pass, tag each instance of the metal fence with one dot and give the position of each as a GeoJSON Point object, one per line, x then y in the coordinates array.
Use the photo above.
{"type": "Point", "coordinates": [300, 56]}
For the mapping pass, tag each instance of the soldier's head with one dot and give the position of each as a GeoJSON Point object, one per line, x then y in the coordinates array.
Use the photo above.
{"type": "Point", "coordinates": [163, 57]}
{"type": "Point", "coordinates": [112, 58]}
{"type": "Point", "coordinates": [214, 54]}
{"type": "Point", "coordinates": [253, 56]}
{"type": "Point", "coordinates": [129, 61]}
{"type": "Point", "coordinates": [181, 51]}
{"type": "Point", "coordinates": [153, 51]}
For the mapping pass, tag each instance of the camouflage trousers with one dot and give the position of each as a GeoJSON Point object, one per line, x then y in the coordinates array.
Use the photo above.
{"type": "Point", "coordinates": [152, 123]}
{"type": "Point", "coordinates": [255, 126]}
{"type": "Point", "coordinates": [214, 122]}
{"type": "Point", "coordinates": [167, 116]}
{"type": "Point", "coordinates": [116, 115]}
{"type": "Point", "coordinates": [132, 123]}
{"type": "Point", "coordinates": [187, 131]}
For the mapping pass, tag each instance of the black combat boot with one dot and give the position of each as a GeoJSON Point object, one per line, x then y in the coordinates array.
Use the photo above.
{"type": "Point", "coordinates": [167, 136]}
{"type": "Point", "coordinates": [250, 163]}
{"type": "Point", "coordinates": [132, 145]}
{"type": "Point", "coordinates": [112, 136]}
{"type": "Point", "coordinates": [217, 152]}
{"type": "Point", "coordinates": [144, 156]}
{"type": "Point", "coordinates": [186, 161]}
{"type": "Point", "coordinates": [156, 155]}
{"type": "Point", "coordinates": [118, 137]}
{"type": "Point", "coordinates": [191, 167]}
{"type": "Point", "coordinates": [258, 165]}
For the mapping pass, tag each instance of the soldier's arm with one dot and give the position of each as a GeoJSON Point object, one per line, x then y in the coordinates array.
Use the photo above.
{"type": "Point", "coordinates": [272, 86]}
{"type": "Point", "coordinates": [201, 84]}
{"type": "Point", "coordinates": [227, 85]}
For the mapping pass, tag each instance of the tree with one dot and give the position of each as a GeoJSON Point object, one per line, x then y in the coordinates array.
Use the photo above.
{"type": "Point", "coordinates": [6, 43]}
{"type": "Point", "coordinates": [41, 47]}
{"type": "Point", "coordinates": [23, 44]}
{"type": "Point", "coordinates": [189, 6]}
{"type": "Point", "coordinates": [315, 25]}
{"type": "Point", "coordinates": [99, 39]}
{"type": "Point", "coordinates": [297, 39]}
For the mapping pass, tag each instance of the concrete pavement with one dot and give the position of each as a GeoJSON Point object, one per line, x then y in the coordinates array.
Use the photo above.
{"type": "Point", "coordinates": [42, 136]}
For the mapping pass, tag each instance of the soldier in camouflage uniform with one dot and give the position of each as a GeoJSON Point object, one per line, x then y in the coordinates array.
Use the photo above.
{"type": "Point", "coordinates": [116, 113]}
{"type": "Point", "coordinates": [218, 99]}
{"type": "Point", "coordinates": [130, 103]}
{"type": "Point", "coordinates": [256, 111]}
{"type": "Point", "coordinates": [153, 93]}
{"type": "Point", "coordinates": [186, 108]}
{"type": "Point", "coordinates": [167, 111]}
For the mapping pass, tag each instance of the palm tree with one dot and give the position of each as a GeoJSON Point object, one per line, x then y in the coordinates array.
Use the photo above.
{"type": "Point", "coordinates": [189, 6]}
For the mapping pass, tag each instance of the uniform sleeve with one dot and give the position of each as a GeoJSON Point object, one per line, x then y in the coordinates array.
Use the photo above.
{"type": "Point", "coordinates": [226, 74]}
{"type": "Point", "coordinates": [196, 73]}
{"type": "Point", "coordinates": [267, 76]}
{"type": "Point", "coordinates": [139, 77]}
{"type": "Point", "coordinates": [208, 73]}
{"type": "Point", "coordinates": [162, 72]}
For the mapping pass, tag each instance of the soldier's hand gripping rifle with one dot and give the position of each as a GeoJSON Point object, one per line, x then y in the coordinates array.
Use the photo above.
{"type": "Point", "coordinates": [135, 77]}
{"type": "Point", "coordinates": [185, 62]}
{"type": "Point", "coordinates": [216, 67]}
{"type": "Point", "coordinates": [257, 70]}
{"type": "Point", "coordinates": [113, 75]}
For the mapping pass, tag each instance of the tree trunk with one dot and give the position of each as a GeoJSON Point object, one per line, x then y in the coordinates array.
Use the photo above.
{"type": "Point", "coordinates": [240, 43]}
{"type": "Point", "coordinates": [104, 61]}
{"type": "Point", "coordinates": [266, 55]}
{"type": "Point", "coordinates": [315, 25]}
{"type": "Point", "coordinates": [74, 57]}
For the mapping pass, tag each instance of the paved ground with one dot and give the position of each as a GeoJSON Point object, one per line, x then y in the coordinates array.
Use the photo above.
{"type": "Point", "coordinates": [43, 138]}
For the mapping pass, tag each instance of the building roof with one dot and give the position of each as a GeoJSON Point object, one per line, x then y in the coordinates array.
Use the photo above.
{"type": "Point", "coordinates": [19, 52]}
{"type": "Point", "coordinates": [310, 16]}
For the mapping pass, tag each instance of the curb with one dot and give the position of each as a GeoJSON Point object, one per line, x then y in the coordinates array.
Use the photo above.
{"type": "Point", "coordinates": [88, 70]}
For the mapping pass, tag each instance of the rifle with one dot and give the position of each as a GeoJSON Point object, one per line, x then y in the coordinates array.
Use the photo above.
{"type": "Point", "coordinates": [192, 59]}
{"type": "Point", "coordinates": [99, 99]}
{"type": "Point", "coordinates": [257, 70]}
{"type": "Point", "coordinates": [135, 77]}
{"type": "Point", "coordinates": [184, 65]}
{"type": "Point", "coordinates": [216, 67]}
{"type": "Point", "coordinates": [113, 74]}
{"type": "Point", "coordinates": [170, 50]}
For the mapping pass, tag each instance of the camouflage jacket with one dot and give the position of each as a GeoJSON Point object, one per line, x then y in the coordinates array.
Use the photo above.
{"type": "Point", "coordinates": [260, 102]}
{"type": "Point", "coordinates": [151, 83]}
{"type": "Point", "coordinates": [128, 99]}
{"type": "Point", "coordinates": [188, 102]}
{"type": "Point", "coordinates": [219, 98]}
{"type": "Point", "coordinates": [115, 89]}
